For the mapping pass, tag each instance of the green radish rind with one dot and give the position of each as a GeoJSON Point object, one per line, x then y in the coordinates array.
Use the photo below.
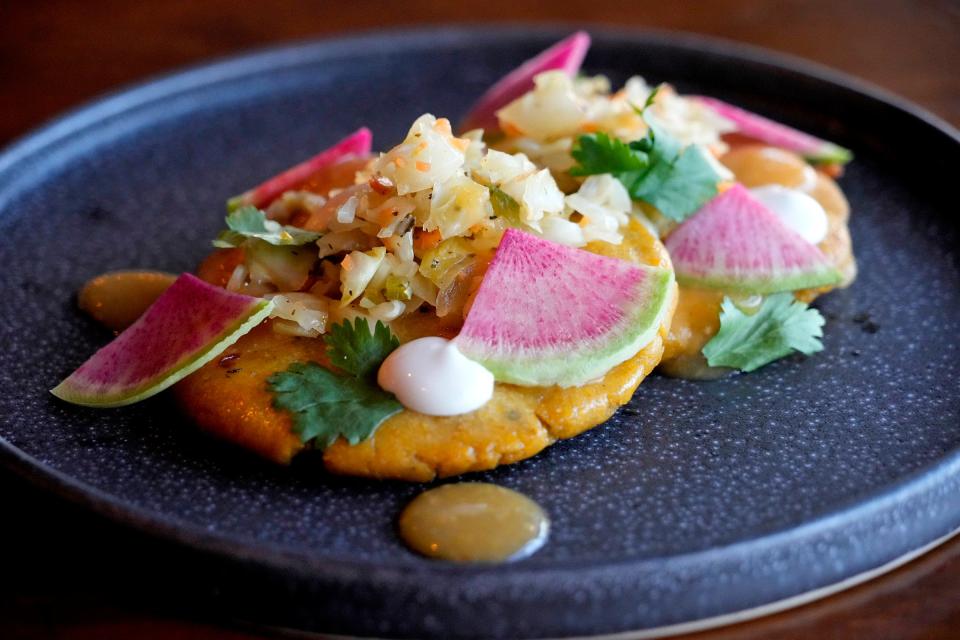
{"type": "Point", "coordinates": [76, 389]}
{"type": "Point", "coordinates": [579, 361]}
{"type": "Point", "coordinates": [753, 125]}
{"type": "Point", "coordinates": [830, 153]}
{"type": "Point", "coordinates": [821, 278]}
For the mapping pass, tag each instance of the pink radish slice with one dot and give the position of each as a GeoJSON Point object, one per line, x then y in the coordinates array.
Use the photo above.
{"type": "Point", "coordinates": [550, 314]}
{"type": "Point", "coordinates": [736, 244]}
{"type": "Point", "coordinates": [566, 55]}
{"type": "Point", "coordinates": [778, 135]}
{"type": "Point", "coordinates": [357, 144]}
{"type": "Point", "coordinates": [191, 323]}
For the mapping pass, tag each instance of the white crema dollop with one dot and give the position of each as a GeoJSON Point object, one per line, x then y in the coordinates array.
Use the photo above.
{"type": "Point", "coordinates": [798, 211]}
{"type": "Point", "coordinates": [431, 376]}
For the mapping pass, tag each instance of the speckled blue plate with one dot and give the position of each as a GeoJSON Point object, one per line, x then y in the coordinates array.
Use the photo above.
{"type": "Point", "coordinates": [695, 502]}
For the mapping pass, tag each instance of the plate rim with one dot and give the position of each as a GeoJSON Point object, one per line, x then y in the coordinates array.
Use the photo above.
{"type": "Point", "coordinates": [90, 108]}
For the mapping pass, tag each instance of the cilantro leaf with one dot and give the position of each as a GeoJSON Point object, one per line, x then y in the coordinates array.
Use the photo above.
{"type": "Point", "coordinates": [357, 350]}
{"type": "Point", "coordinates": [250, 222]}
{"type": "Point", "coordinates": [656, 169]}
{"type": "Point", "coordinates": [598, 153]}
{"type": "Point", "coordinates": [781, 326]}
{"type": "Point", "coordinates": [229, 240]}
{"type": "Point", "coordinates": [325, 406]}
{"type": "Point", "coordinates": [644, 144]}
{"type": "Point", "coordinates": [676, 185]}
{"type": "Point", "coordinates": [505, 206]}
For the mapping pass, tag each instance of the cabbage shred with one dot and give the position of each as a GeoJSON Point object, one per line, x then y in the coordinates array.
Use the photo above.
{"type": "Point", "coordinates": [421, 222]}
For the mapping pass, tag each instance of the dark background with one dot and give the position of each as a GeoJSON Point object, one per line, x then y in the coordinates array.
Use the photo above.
{"type": "Point", "coordinates": [67, 574]}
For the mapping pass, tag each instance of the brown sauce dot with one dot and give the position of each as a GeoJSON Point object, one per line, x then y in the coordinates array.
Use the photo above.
{"type": "Point", "coordinates": [756, 165]}
{"type": "Point", "coordinates": [692, 366]}
{"type": "Point", "coordinates": [117, 299]}
{"type": "Point", "coordinates": [474, 522]}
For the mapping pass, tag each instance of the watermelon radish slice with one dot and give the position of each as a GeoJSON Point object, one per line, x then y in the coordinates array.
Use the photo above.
{"type": "Point", "coordinates": [736, 244]}
{"type": "Point", "coordinates": [775, 134]}
{"type": "Point", "coordinates": [550, 314]}
{"type": "Point", "coordinates": [187, 326]}
{"type": "Point", "coordinates": [357, 144]}
{"type": "Point", "coordinates": [566, 55]}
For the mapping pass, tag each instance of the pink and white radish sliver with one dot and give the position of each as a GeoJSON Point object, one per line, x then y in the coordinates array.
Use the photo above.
{"type": "Point", "coordinates": [356, 145]}
{"type": "Point", "coordinates": [566, 55]}
{"type": "Point", "coordinates": [550, 314]}
{"type": "Point", "coordinates": [736, 244]}
{"type": "Point", "coordinates": [776, 134]}
{"type": "Point", "coordinates": [188, 326]}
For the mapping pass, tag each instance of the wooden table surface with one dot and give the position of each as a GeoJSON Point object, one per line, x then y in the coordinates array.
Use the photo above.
{"type": "Point", "coordinates": [68, 574]}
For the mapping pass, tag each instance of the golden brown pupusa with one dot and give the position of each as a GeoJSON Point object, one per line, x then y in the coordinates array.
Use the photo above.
{"type": "Point", "coordinates": [697, 318]}
{"type": "Point", "coordinates": [231, 400]}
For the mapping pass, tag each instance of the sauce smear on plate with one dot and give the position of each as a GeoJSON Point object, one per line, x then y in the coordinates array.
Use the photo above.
{"type": "Point", "coordinates": [118, 298]}
{"type": "Point", "coordinates": [474, 522]}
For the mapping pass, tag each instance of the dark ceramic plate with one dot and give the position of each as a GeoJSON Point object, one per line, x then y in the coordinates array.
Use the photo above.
{"type": "Point", "coordinates": [695, 502]}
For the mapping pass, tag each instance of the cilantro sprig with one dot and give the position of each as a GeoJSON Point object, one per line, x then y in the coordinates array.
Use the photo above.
{"type": "Point", "coordinates": [250, 222]}
{"type": "Point", "coordinates": [357, 350]}
{"type": "Point", "coordinates": [656, 169]}
{"type": "Point", "coordinates": [599, 153]}
{"type": "Point", "coordinates": [325, 406]}
{"type": "Point", "coordinates": [781, 326]}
